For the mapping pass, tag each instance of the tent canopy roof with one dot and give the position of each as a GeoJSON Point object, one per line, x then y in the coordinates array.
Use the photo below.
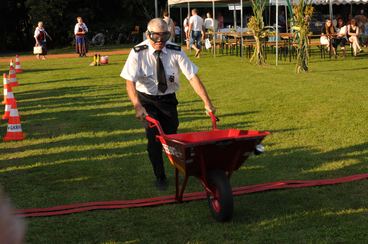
{"type": "Point", "coordinates": [174, 2]}
{"type": "Point", "coordinates": [321, 2]}
{"type": "Point", "coordinates": [196, 2]}
{"type": "Point", "coordinates": [223, 3]}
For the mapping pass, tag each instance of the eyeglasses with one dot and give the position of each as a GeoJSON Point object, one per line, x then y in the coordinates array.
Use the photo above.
{"type": "Point", "coordinates": [159, 36]}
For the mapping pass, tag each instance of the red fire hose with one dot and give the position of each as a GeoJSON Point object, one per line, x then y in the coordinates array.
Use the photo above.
{"type": "Point", "coordinates": [82, 207]}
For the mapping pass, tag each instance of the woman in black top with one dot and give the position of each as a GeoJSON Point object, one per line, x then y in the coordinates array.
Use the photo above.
{"type": "Point", "coordinates": [353, 33]}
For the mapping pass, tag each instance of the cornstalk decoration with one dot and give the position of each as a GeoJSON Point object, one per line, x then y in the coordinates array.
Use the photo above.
{"type": "Point", "coordinates": [256, 25]}
{"type": "Point", "coordinates": [302, 15]}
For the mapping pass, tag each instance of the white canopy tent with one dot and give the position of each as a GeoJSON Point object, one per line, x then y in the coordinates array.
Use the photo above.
{"type": "Point", "coordinates": [271, 2]}
{"type": "Point", "coordinates": [316, 2]}
{"type": "Point", "coordinates": [188, 2]}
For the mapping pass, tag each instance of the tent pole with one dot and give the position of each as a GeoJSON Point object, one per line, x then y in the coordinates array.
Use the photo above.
{"type": "Point", "coordinates": [181, 32]}
{"type": "Point", "coordinates": [277, 31]}
{"type": "Point", "coordinates": [286, 19]}
{"type": "Point", "coordinates": [331, 10]}
{"type": "Point", "coordinates": [241, 28]}
{"type": "Point", "coordinates": [214, 30]}
{"type": "Point", "coordinates": [234, 13]}
{"type": "Point", "coordinates": [351, 9]}
{"type": "Point", "coordinates": [269, 14]}
{"type": "Point", "coordinates": [190, 48]}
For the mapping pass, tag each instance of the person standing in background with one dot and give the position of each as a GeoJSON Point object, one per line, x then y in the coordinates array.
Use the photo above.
{"type": "Point", "coordinates": [196, 32]}
{"type": "Point", "coordinates": [40, 35]}
{"type": "Point", "coordinates": [80, 31]}
{"type": "Point", "coordinates": [220, 20]}
{"type": "Point", "coordinates": [170, 24]}
{"type": "Point", "coordinates": [186, 30]}
{"type": "Point", "coordinates": [208, 23]}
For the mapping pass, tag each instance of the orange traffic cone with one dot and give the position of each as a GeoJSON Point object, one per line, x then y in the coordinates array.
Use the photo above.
{"type": "Point", "coordinates": [12, 75]}
{"type": "Point", "coordinates": [8, 91]}
{"type": "Point", "coordinates": [14, 131]}
{"type": "Point", "coordinates": [18, 68]}
{"type": "Point", "coordinates": [5, 83]}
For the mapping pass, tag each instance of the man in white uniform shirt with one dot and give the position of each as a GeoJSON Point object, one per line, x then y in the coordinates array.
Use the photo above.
{"type": "Point", "coordinates": [152, 78]}
{"type": "Point", "coordinates": [196, 32]}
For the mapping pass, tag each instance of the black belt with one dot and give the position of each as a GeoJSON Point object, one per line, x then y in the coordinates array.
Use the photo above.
{"type": "Point", "coordinates": [157, 97]}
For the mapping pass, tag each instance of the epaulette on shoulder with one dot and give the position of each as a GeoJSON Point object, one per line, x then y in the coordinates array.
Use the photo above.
{"type": "Point", "coordinates": [173, 47]}
{"type": "Point", "coordinates": [140, 48]}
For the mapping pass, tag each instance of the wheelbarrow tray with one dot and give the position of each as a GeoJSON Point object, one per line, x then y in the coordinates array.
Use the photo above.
{"type": "Point", "coordinates": [192, 153]}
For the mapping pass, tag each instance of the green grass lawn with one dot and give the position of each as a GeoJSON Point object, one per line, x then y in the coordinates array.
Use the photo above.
{"type": "Point", "coordinates": [84, 144]}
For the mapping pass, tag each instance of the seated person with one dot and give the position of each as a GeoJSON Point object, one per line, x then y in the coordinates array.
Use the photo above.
{"type": "Point", "coordinates": [327, 36]}
{"type": "Point", "coordinates": [341, 38]}
{"type": "Point", "coordinates": [353, 33]}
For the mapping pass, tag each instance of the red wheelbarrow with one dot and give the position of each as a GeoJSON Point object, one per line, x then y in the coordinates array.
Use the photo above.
{"type": "Point", "coordinates": [211, 156]}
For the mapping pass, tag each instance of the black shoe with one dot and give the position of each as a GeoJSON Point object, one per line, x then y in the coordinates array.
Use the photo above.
{"type": "Point", "coordinates": [161, 184]}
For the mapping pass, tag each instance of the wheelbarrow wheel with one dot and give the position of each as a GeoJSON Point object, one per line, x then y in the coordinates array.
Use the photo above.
{"type": "Point", "coordinates": [221, 201]}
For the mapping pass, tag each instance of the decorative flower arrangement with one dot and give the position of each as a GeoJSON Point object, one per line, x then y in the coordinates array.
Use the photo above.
{"type": "Point", "coordinates": [256, 25]}
{"type": "Point", "coordinates": [302, 14]}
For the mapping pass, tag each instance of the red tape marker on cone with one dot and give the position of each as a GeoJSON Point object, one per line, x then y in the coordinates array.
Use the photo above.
{"type": "Point", "coordinates": [9, 98]}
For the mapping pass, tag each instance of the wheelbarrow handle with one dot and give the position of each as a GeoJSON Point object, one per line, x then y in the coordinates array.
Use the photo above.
{"type": "Point", "coordinates": [154, 123]}
{"type": "Point", "coordinates": [214, 120]}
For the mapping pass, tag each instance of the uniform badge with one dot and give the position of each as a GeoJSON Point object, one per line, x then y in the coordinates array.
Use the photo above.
{"type": "Point", "coordinates": [171, 78]}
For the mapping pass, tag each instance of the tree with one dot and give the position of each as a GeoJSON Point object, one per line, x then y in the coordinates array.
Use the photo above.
{"type": "Point", "coordinates": [14, 25]}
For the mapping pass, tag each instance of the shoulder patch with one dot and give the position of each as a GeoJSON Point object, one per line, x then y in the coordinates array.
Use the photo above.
{"type": "Point", "coordinates": [173, 47]}
{"type": "Point", "coordinates": [140, 48]}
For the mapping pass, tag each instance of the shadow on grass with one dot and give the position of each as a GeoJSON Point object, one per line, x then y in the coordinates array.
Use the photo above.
{"type": "Point", "coordinates": [307, 163]}
{"type": "Point", "coordinates": [72, 103]}
{"type": "Point", "coordinates": [50, 93]}
{"type": "Point", "coordinates": [54, 81]}
{"type": "Point", "coordinates": [342, 70]}
{"type": "Point", "coordinates": [300, 163]}
{"type": "Point", "coordinates": [48, 69]}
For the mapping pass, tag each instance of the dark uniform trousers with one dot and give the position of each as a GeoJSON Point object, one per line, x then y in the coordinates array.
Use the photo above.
{"type": "Point", "coordinates": [164, 109]}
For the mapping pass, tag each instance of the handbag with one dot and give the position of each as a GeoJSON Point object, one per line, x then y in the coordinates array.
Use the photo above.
{"type": "Point", "coordinates": [37, 50]}
{"type": "Point", "coordinates": [207, 43]}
